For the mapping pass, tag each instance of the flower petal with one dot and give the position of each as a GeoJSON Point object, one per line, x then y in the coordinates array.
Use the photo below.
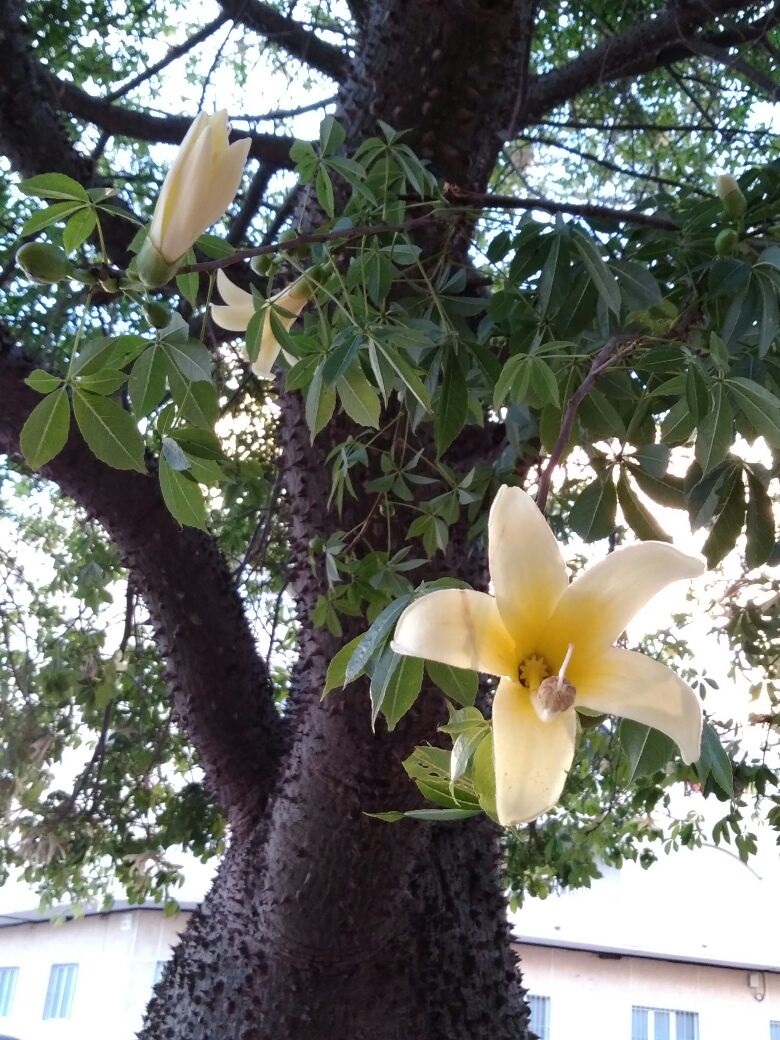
{"type": "Point", "coordinates": [596, 608]}
{"type": "Point", "coordinates": [458, 627]}
{"type": "Point", "coordinates": [532, 757]}
{"type": "Point", "coordinates": [526, 567]}
{"type": "Point", "coordinates": [633, 686]}
{"type": "Point", "coordinates": [232, 294]}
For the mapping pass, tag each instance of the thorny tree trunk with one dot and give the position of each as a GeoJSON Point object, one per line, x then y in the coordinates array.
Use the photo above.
{"type": "Point", "coordinates": [322, 923]}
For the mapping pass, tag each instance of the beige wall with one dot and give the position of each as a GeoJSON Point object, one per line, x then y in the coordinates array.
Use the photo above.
{"type": "Point", "coordinates": [591, 997]}
{"type": "Point", "coordinates": [116, 954]}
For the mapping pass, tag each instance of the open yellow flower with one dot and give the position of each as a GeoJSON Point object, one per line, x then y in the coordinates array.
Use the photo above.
{"type": "Point", "coordinates": [239, 308]}
{"type": "Point", "coordinates": [198, 188]}
{"type": "Point", "coordinates": [552, 644]}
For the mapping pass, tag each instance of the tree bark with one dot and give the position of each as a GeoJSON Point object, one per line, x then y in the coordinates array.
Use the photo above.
{"type": "Point", "coordinates": [324, 923]}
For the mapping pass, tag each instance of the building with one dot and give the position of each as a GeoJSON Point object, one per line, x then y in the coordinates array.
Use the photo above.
{"type": "Point", "coordinates": [82, 978]}
{"type": "Point", "coordinates": [689, 950]}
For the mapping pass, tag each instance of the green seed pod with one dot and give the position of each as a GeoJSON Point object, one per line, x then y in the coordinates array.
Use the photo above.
{"type": "Point", "coordinates": [157, 314]}
{"type": "Point", "coordinates": [262, 264]}
{"type": "Point", "coordinates": [43, 263]}
{"type": "Point", "coordinates": [726, 242]}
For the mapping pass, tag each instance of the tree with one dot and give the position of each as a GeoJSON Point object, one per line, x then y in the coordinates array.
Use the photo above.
{"type": "Point", "coordinates": [440, 361]}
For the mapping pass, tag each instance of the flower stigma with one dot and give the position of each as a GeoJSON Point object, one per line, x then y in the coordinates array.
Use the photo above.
{"type": "Point", "coordinates": [550, 694]}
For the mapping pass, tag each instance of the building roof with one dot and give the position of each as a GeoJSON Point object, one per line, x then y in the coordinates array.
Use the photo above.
{"type": "Point", "coordinates": [66, 912]}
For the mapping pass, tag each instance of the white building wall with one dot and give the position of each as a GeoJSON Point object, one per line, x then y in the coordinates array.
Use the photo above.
{"type": "Point", "coordinates": [116, 955]}
{"type": "Point", "coordinates": [591, 996]}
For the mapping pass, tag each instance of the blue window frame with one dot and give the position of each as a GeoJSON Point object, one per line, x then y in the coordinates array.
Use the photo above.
{"type": "Point", "coordinates": [540, 1016]}
{"type": "Point", "coordinates": [664, 1024]}
{"type": "Point", "coordinates": [59, 995]}
{"type": "Point", "coordinates": [8, 977]}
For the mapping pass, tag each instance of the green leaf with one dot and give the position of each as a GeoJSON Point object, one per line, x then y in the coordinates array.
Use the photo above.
{"type": "Point", "coordinates": [600, 417]}
{"type": "Point", "coordinates": [406, 373]}
{"type": "Point", "coordinates": [696, 391]}
{"type": "Point", "coordinates": [678, 424]}
{"type": "Point", "coordinates": [320, 404]}
{"type": "Point", "coordinates": [593, 514]}
{"type": "Point", "coordinates": [716, 432]}
{"type": "Point", "coordinates": [719, 353]}
{"type": "Point", "coordinates": [770, 318]}
{"type": "Point", "coordinates": [543, 381]}
{"type": "Point", "coordinates": [601, 276]}
{"type": "Point", "coordinates": [332, 135]}
{"type": "Point", "coordinates": [45, 432]}
{"type": "Point", "coordinates": [188, 285]}
{"type": "Point", "coordinates": [197, 401]}
{"type": "Point", "coordinates": [200, 443]}
{"type": "Point", "coordinates": [666, 490]}
{"type": "Point", "coordinates": [639, 519]}
{"type": "Point", "coordinates": [395, 686]}
{"type": "Point", "coordinates": [483, 776]}
{"type": "Point", "coordinates": [213, 246]}
{"type": "Point", "coordinates": [760, 406]}
{"type": "Point", "coordinates": [192, 359]}
{"type": "Point", "coordinates": [147, 381]}
{"type": "Point", "coordinates": [46, 217]}
{"type": "Point", "coordinates": [452, 405]}
{"type": "Point", "coordinates": [373, 639]}
{"type": "Point", "coordinates": [43, 382]}
{"type": "Point", "coordinates": [464, 748]}
{"type": "Point", "coordinates": [459, 684]}
{"type": "Point", "coordinates": [514, 381]}
{"type": "Point", "coordinates": [106, 381]}
{"type": "Point", "coordinates": [78, 229]}
{"type": "Point", "coordinates": [441, 815]}
{"type": "Point", "coordinates": [715, 762]}
{"type": "Point", "coordinates": [54, 186]}
{"type": "Point", "coordinates": [110, 432]}
{"type": "Point", "coordinates": [760, 524]}
{"type": "Point", "coordinates": [728, 526]}
{"type": "Point", "coordinates": [337, 669]}
{"type": "Point", "coordinates": [324, 189]}
{"type": "Point", "coordinates": [647, 750]}
{"type": "Point", "coordinates": [343, 353]}
{"type": "Point", "coordinates": [182, 496]}
{"type": "Point", "coordinates": [359, 399]}
{"type": "Point", "coordinates": [174, 455]}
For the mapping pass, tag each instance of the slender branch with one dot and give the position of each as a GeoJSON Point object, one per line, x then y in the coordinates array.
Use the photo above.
{"type": "Point", "coordinates": [337, 234]}
{"type": "Point", "coordinates": [178, 51]}
{"type": "Point", "coordinates": [288, 113]}
{"type": "Point", "coordinates": [613, 351]}
{"type": "Point", "coordinates": [290, 35]}
{"type": "Point", "coordinates": [490, 201]}
{"type": "Point", "coordinates": [608, 164]}
{"type": "Point", "coordinates": [661, 128]}
{"type": "Point", "coordinates": [220, 688]}
{"type": "Point", "coordinates": [757, 77]}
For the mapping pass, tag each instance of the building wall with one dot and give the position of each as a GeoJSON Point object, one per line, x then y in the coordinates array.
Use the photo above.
{"type": "Point", "coordinates": [591, 996]}
{"type": "Point", "coordinates": [117, 956]}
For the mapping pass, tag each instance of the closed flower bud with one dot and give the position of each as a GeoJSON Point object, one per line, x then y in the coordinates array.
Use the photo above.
{"type": "Point", "coordinates": [43, 263]}
{"type": "Point", "coordinates": [198, 188]}
{"type": "Point", "coordinates": [730, 195]}
{"type": "Point", "coordinates": [157, 314]}
{"type": "Point", "coordinates": [726, 242]}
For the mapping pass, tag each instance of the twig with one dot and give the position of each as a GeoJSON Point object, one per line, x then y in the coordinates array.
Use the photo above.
{"type": "Point", "coordinates": [613, 350]}
{"type": "Point", "coordinates": [489, 201]}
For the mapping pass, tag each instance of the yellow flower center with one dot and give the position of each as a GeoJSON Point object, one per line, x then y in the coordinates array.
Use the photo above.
{"type": "Point", "coordinates": [550, 694]}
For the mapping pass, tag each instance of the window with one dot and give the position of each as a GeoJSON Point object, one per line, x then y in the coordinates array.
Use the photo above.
{"type": "Point", "coordinates": [59, 995]}
{"type": "Point", "coordinates": [540, 1016]}
{"type": "Point", "coordinates": [774, 1031]}
{"type": "Point", "coordinates": [8, 978]}
{"type": "Point", "coordinates": [664, 1024]}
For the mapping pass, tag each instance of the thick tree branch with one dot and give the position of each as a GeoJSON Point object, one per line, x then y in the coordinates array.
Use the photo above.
{"type": "Point", "coordinates": [290, 35]}
{"type": "Point", "coordinates": [220, 688]}
{"type": "Point", "coordinates": [651, 44]}
{"type": "Point", "coordinates": [143, 126]}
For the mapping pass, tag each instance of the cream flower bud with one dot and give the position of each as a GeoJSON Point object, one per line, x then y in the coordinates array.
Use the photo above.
{"type": "Point", "coordinates": [730, 195]}
{"type": "Point", "coordinates": [239, 308]}
{"type": "Point", "coordinates": [198, 188]}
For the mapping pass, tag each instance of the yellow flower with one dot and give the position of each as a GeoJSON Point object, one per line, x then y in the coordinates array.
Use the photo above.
{"type": "Point", "coordinates": [239, 307]}
{"type": "Point", "coordinates": [552, 644]}
{"type": "Point", "coordinates": [198, 188]}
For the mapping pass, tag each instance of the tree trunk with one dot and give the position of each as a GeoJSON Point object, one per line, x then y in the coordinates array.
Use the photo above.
{"type": "Point", "coordinates": [323, 923]}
